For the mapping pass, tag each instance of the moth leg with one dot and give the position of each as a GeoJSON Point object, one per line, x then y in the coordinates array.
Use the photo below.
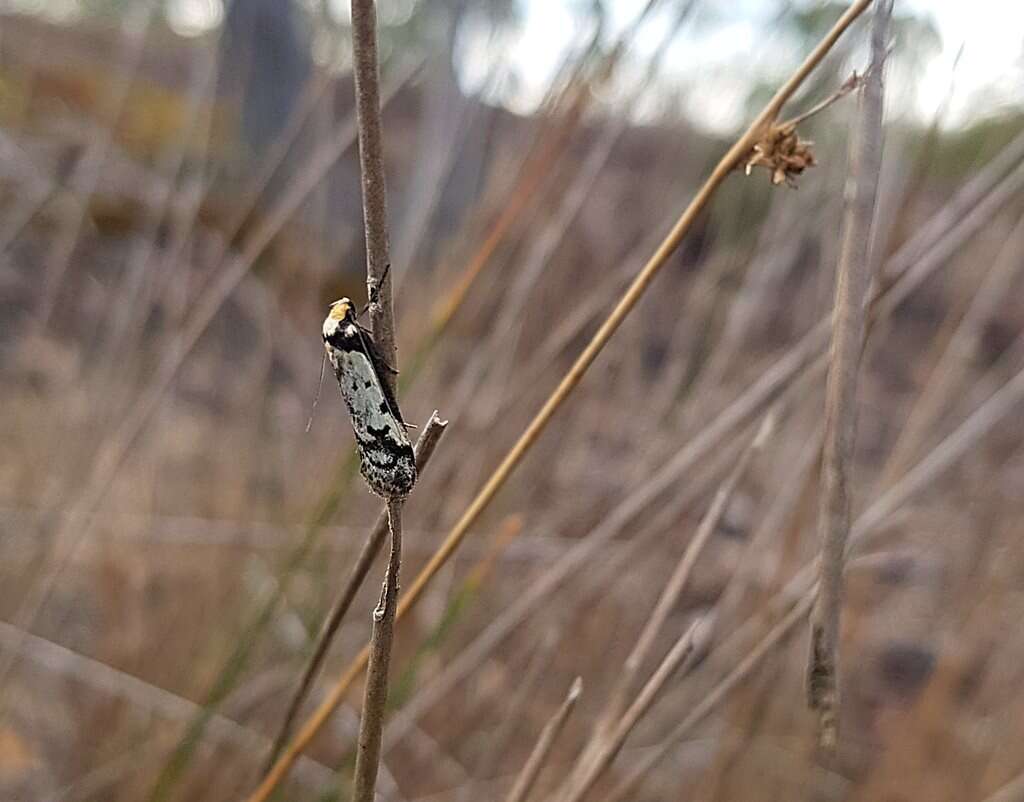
{"type": "Point", "coordinates": [374, 290]}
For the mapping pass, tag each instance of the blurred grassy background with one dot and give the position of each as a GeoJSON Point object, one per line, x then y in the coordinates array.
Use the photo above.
{"type": "Point", "coordinates": [179, 201]}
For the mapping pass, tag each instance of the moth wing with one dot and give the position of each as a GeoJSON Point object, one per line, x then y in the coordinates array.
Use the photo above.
{"type": "Point", "coordinates": [381, 368]}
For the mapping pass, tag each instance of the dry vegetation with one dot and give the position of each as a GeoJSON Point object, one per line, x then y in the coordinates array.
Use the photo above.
{"type": "Point", "coordinates": [171, 539]}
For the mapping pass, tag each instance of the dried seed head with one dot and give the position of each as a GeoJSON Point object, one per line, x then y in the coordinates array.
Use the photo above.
{"type": "Point", "coordinates": [783, 153]}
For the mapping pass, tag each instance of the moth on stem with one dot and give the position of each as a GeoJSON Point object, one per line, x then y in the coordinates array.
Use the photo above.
{"type": "Point", "coordinates": [386, 458]}
{"type": "Point", "coordinates": [388, 464]}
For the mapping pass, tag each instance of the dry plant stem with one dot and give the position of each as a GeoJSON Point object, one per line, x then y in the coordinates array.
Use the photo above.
{"type": "Point", "coordinates": [935, 242]}
{"type": "Point", "coordinates": [609, 747]}
{"type": "Point", "coordinates": [114, 452]}
{"type": "Point", "coordinates": [851, 84]}
{"type": "Point", "coordinates": [375, 697]}
{"type": "Point", "coordinates": [611, 324]}
{"type": "Point", "coordinates": [268, 166]}
{"type": "Point", "coordinates": [625, 790]}
{"type": "Point", "coordinates": [160, 201]}
{"type": "Point", "coordinates": [673, 591]}
{"type": "Point", "coordinates": [598, 579]}
{"type": "Point", "coordinates": [1000, 404]}
{"type": "Point", "coordinates": [777, 250]}
{"type": "Point", "coordinates": [371, 164]}
{"type": "Point", "coordinates": [950, 367]}
{"type": "Point", "coordinates": [537, 168]}
{"type": "Point", "coordinates": [378, 285]}
{"type": "Point", "coordinates": [805, 356]}
{"type": "Point", "coordinates": [761, 564]}
{"type": "Point", "coordinates": [538, 667]}
{"type": "Point", "coordinates": [425, 445]}
{"type": "Point", "coordinates": [971, 210]}
{"type": "Point", "coordinates": [89, 170]}
{"type": "Point", "coordinates": [1013, 791]}
{"type": "Point", "coordinates": [274, 158]}
{"type": "Point", "coordinates": [38, 189]}
{"type": "Point", "coordinates": [542, 749]}
{"type": "Point", "coordinates": [501, 347]}
{"type": "Point", "coordinates": [952, 448]}
{"type": "Point", "coordinates": [841, 394]}
{"type": "Point", "coordinates": [52, 657]}
{"type": "Point", "coordinates": [155, 274]}
{"type": "Point", "coordinates": [636, 503]}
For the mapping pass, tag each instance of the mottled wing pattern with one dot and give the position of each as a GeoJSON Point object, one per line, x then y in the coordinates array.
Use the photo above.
{"type": "Point", "coordinates": [386, 457]}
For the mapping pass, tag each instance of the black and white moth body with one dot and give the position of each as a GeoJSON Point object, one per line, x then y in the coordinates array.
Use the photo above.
{"type": "Point", "coordinates": [386, 458]}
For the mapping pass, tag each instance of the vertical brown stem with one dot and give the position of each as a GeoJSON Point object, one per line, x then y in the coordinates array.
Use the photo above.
{"type": "Point", "coordinates": [852, 283]}
{"type": "Point", "coordinates": [375, 697]}
{"type": "Point", "coordinates": [382, 322]}
{"type": "Point", "coordinates": [572, 378]}
{"type": "Point", "coordinates": [371, 163]}
{"type": "Point", "coordinates": [424, 449]}
{"type": "Point", "coordinates": [542, 750]}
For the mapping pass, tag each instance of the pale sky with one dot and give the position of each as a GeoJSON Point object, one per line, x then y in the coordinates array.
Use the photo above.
{"type": "Point", "coordinates": [988, 77]}
{"type": "Point", "coordinates": [991, 33]}
{"type": "Point", "coordinates": [990, 72]}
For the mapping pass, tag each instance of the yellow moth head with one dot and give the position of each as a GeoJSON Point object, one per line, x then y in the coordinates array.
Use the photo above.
{"type": "Point", "coordinates": [341, 310]}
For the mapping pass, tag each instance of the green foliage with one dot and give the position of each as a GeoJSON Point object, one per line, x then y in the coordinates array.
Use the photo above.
{"type": "Point", "coordinates": [105, 8]}
{"type": "Point", "coordinates": [959, 153]}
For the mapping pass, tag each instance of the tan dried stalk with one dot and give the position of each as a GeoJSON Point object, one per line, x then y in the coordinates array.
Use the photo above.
{"type": "Point", "coordinates": [743, 669]}
{"type": "Point", "coordinates": [848, 325]}
{"type": "Point", "coordinates": [536, 170]}
{"type": "Point", "coordinates": [950, 366]}
{"type": "Point", "coordinates": [1013, 791]}
{"type": "Point", "coordinates": [374, 184]}
{"type": "Point", "coordinates": [966, 213]}
{"type": "Point", "coordinates": [670, 595]}
{"type": "Point", "coordinates": [424, 449]}
{"type": "Point", "coordinates": [51, 657]}
{"type": "Point", "coordinates": [735, 155]}
{"type": "Point", "coordinates": [495, 356]}
{"type": "Point", "coordinates": [514, 713]}
{"type": "Point", "coordinates": [89, 170]}
{"type": "Point", "coordinates": [382, 322]}
{"type": "Point", "coordinates": [803, 589]}
{"type": "Point", "coordinates": [542, 750]}
{"type": "Point", "coordinates": [609, 746]}
{"type": "Point", "coordinates": [594, 550]}
{"type": "Point", "coordinates": [375, 695]}
{"type": "Point", "coordinates": [114, 452]}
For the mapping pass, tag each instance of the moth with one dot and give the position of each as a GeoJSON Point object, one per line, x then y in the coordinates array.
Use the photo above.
{"type": "Point", "coordinates": [386, 458]}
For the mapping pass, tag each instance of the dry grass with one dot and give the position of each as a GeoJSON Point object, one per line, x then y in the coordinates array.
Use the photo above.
{"type": "Point", "coordinates": [853, 280]}
{"type": "Point", "coordinates": [171, 540]}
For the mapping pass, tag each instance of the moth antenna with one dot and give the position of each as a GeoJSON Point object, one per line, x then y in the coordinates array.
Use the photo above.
{"type": "Point", "coordinates": [319, 387]}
